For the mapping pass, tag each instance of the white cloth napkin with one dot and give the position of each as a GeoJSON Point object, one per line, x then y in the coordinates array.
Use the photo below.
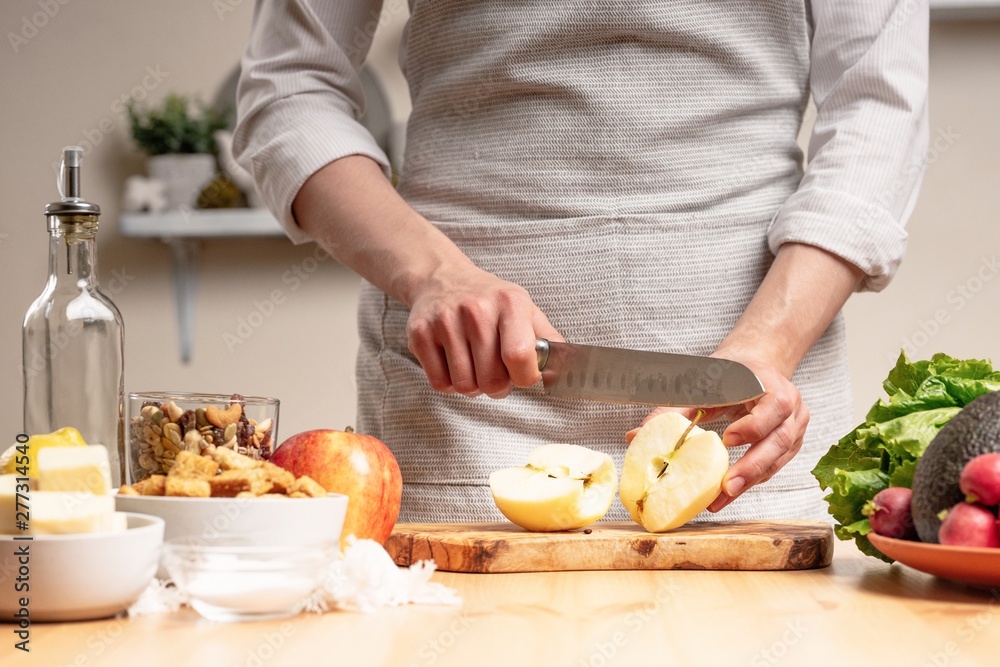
{"type": "Point", "coordinates": [365, 578]}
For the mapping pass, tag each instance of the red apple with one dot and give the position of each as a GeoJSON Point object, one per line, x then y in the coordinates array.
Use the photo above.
{"type": "Point", "coordinates": [359, 466]}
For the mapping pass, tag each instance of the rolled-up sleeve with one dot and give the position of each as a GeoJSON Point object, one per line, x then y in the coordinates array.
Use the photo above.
{"type": "Point", "coordinates": [868, 146]}
{"type": "Point", "coordinates": [300, 97]}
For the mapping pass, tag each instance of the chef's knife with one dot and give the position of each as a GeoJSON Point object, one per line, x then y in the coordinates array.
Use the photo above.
{"type": "Point", "coordinates": [637, 376]}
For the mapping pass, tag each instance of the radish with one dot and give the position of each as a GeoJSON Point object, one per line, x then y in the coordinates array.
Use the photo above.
{"type": "Point", "coordinates": [889, 513]}
{"type": "Point", "coordinates": [969, 525]}
{"type": "Point", "coordinates": [980, 480]}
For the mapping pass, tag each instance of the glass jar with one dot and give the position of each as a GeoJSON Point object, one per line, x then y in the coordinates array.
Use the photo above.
{"type": "Point", "coordinates": [73, 334]}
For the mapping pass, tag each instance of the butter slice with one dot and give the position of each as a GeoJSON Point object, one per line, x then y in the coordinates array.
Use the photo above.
{"type": "Point", "coordinates": [74, 469]}
{"type": "Point", "coordinates": [60, 513]}
{"type": "Point", "coordinates": [8, 504]}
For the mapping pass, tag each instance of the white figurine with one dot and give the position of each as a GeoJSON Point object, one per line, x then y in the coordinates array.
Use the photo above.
{"type": "Point", "coordinates": [144, 194]}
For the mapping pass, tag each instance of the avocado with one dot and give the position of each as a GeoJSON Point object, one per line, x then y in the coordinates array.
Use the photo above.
{"type": "Point", "coordinates": [973, 431]}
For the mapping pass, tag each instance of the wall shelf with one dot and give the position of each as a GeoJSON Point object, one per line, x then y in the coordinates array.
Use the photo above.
{"type": "Point", "coordinates": [963, 10]}
{"type": "Point", "coordinates": [198, 223]}
{"type": "Point", "coordinates": [183, 231]}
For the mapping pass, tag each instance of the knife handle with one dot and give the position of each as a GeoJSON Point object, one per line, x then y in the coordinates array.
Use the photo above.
{"type": "Point", "coordinates": [542, 352]}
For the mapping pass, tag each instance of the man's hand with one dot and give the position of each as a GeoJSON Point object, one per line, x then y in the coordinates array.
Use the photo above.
{"type": "Point", "coordinates": [773, 426]}
{"type": "Point", "coordinates": [474, 333]}
{"type": "Point", "coordinates": [801, 294]}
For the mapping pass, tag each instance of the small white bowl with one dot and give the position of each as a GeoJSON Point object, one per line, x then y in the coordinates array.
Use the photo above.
{"type": "Point", "coordinates": [237, 579]}
{"type": "Point", "coordinates": [80, 577]}
{"type": "Point", "coordinates": [263, 521]}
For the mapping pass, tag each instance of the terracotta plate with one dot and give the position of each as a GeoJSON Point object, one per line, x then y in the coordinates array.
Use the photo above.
{"type": "Point", "coordinates": [970, 565]}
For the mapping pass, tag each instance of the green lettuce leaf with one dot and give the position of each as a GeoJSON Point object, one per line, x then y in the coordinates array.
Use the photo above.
{"type": "Point", "coordinates": [848, 454]}
{"type": "Point", "coordinates": [903, 474]}
{"type": "Point", "coordinates": [965, 390]}
{"type": "Point", "coordinates": [932, 393]}
{"type": "Point", "coordinates": [908, 436]}
{"type": "Point", "coordinates": [883, 451]}
{"type": "Point", "coordinates": [905, 377]}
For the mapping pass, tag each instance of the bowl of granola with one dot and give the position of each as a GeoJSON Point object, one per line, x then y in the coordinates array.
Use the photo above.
{"type": "Point", "coordinates": [223, 493]}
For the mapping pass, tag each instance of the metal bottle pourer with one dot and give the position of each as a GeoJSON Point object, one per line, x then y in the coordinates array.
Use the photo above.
{"type": "Point", "coordinates": [68, 183]}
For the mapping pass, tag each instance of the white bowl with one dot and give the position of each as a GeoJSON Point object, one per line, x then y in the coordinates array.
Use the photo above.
{"type": "Point", "coordinates": [227, 579]}
{"type": "Point", "coordinates": [80, 577]}
{"type": "Point", "coordinates": [262, 521]}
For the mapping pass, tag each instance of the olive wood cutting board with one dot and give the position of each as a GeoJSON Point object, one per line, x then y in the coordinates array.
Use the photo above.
{"type": "Point", "coordinates": [606, 545]}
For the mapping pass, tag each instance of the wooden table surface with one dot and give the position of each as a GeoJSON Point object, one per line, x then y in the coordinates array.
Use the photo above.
{"type": "Point", "coordinates": [858, 611]}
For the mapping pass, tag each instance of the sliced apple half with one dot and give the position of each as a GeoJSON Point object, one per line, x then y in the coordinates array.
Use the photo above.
{"type": "Point", "coordinates": [562, 487]}
{"type": "Point", "coordinates": [665, 485]}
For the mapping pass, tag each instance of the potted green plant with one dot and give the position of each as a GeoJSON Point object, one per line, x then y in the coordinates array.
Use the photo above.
{"type": "Point", "coordinates": [179, 137]}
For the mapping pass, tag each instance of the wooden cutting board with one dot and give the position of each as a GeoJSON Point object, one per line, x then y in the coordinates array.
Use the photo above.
{"type": "Point", "coordinates": [504, 547]}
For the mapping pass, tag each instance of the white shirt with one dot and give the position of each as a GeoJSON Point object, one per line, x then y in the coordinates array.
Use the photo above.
{"type": "Point", "coordinates": [300, 99]}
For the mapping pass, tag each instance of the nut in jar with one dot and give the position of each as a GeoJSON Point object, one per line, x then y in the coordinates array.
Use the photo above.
{"type": "Point", "coordinates": [162, 425]}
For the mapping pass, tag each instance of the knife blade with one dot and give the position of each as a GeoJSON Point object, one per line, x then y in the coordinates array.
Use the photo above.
{"type": "Point", "coordinates": [637, 376]}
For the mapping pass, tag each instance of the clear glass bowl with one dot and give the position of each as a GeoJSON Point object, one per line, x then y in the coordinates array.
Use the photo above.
{"type": "Point", "coordinates": [234, 579]}
{"type": "Point", "coordinates": [198, 420]}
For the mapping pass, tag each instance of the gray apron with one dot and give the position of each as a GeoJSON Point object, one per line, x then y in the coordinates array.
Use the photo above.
{"type": "Point", "coordinates": [621, 160]}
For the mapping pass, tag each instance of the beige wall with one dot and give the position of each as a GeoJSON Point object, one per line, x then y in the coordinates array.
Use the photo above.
{"type": "Point", "coordinates": [946, 296]}
{"type": "Point", "coordinates": [61, 88]}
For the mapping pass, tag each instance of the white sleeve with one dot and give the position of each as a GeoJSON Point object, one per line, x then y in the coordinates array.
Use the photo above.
{"type": "Point", "coordinates": [300, 97]}
{"type": "Point", "coordinates": [869, 144]}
